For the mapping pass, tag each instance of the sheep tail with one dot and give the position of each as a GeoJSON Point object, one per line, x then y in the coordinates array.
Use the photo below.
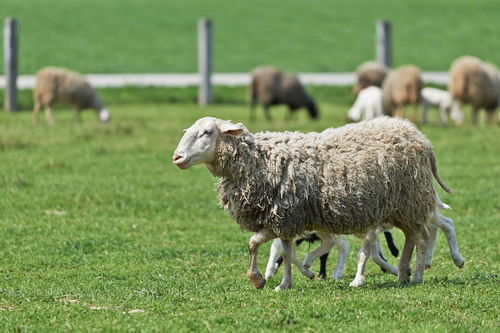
{"type": "Point", "coordinates": [435, 173]}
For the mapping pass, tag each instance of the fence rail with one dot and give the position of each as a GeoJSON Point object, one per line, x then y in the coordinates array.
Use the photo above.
{"type": "Point", "coordinates": [221, 79]}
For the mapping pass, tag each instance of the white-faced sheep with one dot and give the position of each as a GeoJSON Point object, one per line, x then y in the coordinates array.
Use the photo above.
{"type": "Point", "coordinates": [368, 105]}
{"type": "Point", "coordinates": [270, 86]}
{"type": "Point", "coordinates": [401, 87]}
{"type": "Point", "coordinates": [441, 99]}
{"type": "Point", "coordinates": [370, 73]}
{"type": "Point", "coordinates": [477, 83]}
{"type": "Point", "coordinates": [59, 85]}
{"type": "Point", "coordinates": [347, 180]}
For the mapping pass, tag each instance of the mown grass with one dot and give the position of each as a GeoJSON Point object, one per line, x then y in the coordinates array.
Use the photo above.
{"type": "Point", "coordinates": [116, 36]}
{"type": "Point", "coordinates": [96, 222]}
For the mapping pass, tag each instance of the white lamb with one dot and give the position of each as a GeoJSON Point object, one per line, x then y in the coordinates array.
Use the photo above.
{"type": "Point", "coordinates": [368, 105]}
{"type": "Point", "coordinates": [441, 99]}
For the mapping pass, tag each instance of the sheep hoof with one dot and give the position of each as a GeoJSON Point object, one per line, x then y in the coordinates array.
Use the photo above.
{"type": "Point", "coordinates": [256, 279]}
{"type": "Point", "coordinates": [283, 287]}
{"type": "Point", "coordinates": [459, 262]}
{"type": "Point", "coordinates": [357, 282]}
{"type": "Point", "coordinates": [336, 276]}
{"type": "Point", "coordinates": [427, 266]}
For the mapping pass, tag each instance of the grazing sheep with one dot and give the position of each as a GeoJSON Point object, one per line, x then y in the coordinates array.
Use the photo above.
{"type": "Point", "coordinates": [347, 180]}
{"type": "Point", "coordinates": [477, 83]}
{"type": "Point", "coordinates": [401, 87]}
{"type": "Point", "coordinates": [270, 86]}
{"type": "Point", "coordinates": [370, 73]}
{"type": "Point", "coordinates": [434, 97]}
{"type": "Point", "coordinates": [368, 105]}
{"type": "Point", "coordinates": [59, 85]}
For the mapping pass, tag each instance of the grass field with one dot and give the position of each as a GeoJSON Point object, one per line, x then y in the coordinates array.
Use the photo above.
{"type": "Point", "coordinates": [96, 222]}
{"type": "Point", "coordinates": [115, 36]}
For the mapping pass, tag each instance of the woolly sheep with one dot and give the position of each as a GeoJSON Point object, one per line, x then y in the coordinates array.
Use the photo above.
{"type": "Point", "coordinates": [368, 105]}
{"type": "Point", "coordinates": [348, 180]}
{"type": "Point", "coordinates": [368, 74]}
{"type": "Point", "coordinates": [270, 86]}
{"type": "Point", "coordinates": [477, 83]}
{"type": "Point", "coordinates": [401, 87]}
{"type": "Point", "coordinates": [55, 85]}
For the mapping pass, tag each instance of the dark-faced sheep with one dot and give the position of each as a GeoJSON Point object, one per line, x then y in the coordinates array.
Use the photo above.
{"type": "Point", "coordinates": [474, 82]}
{"type": "Point", "coordinates": [401, 87]}
{"type": "Point", "coordinates": [270, 86]}
{"type": "Point", "coordinates": [370, 73]}
{"type": "Point", "coordinates": [348, 180]}
{"type": "Point", "coordinates": [59, 85]}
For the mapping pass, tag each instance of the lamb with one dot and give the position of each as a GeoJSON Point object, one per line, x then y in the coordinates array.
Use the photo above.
{"type": "Point", "coordinates": [434, 97]}
{"type": "Point", "coordinates": [368, 74]}
{"type": "Point", "coordinates": [368, 105]}
{"type": "Point", "coordinates": [477, 83]}
{"type": "Point", "coordinates": [55, 84]}
{"type": "Point", "coordinates": [348, 180]}
{"type": "Point", "coordinates": [401, 87]}
{"type": "Point", "coordinates": [270, 86]}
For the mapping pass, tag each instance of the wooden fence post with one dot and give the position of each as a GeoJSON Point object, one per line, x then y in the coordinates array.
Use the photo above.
{"type": "Point", "coordinates": [205, 61]}
{"type": "Point", "coordinates": [10, 49]}
{"type": "Point", "coordinates": [383, 43]}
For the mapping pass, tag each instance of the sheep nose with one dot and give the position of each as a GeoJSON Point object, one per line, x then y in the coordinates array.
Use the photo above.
{"type": "Point", "coordinates": [176, 157]}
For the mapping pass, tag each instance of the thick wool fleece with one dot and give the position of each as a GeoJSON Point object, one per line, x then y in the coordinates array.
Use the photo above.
{"type": "Point", "coordinates": [402, 86]}
{"type": "Point", "coordinates": [64, 86]}
{"type": "Point", "coordinates": [343, 181]}
{"type": "Point", "coordinates": [474, 82]}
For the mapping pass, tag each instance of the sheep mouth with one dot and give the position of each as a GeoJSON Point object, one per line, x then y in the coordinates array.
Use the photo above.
{"type": "Point", "coordinates": [183, 164]}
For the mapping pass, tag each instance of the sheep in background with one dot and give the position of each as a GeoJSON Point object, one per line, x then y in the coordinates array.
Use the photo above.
{"type": "Point", "coordinates": [270, 86]}
{"type": "Point", "coordinates": [370, 73]}
{"type": "Point", "coordinates": [347, 180]}
{"type": "Point", "coordinates": [474, 82]}
{"type": "Point", "coordinates": [402, 86]}
{"type": "Point", "coordinates": [368, 105]}
{"type": "Point", "coordinates": [434, 97]}
{"type": "Point", "coordinates": [59, 85]}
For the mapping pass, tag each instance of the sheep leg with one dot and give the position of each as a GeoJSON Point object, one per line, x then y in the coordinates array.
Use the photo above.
{"type": "Point", "coordinates": [77, 118]}
{"type": "Point", "coordinates": [327, 243]}
{"type": "Point", "coordinates": [286, 282]}
{"type": "Point", "coordinates": [363, 255]}
{"type": "Point", "coordinates": [343, 248]}
{"type": "Point", "coordinates": [36, 113]}
{"type": "Point", "coordinates": [490, 117]}
{"type": "Point", "coordinates": [322, 266]}
{"type": "Point", "coordinates": [443, 115]}
{"type": "Point", "coordinates": [266, 113]}
{"type": "Point", "coordinates": [399, 112]}
{"type": "Point", "coordinates": [48, 115]}
{"type": "Point", "coordinates": [405, 261]}
{"type": "Point", "coordinates": [257, 240]}
{"type": "Point", "coordinates": [302, 269]}
{"type": "Point", "coordinates": [272, 265]}
{"type": "Point", "coordinates": [425, 113]}
{"type": "Point", "coordinates": [379, 260]}
{"type": "Point", "coordinates": [421, 245]}
{"type": "Point", "coordinates": [446, 225]}
{"type": "Point", "coordinates": [475, 115]}
{"type": "Point", "coordinates": [456, 114]}
{"type": "Point", "coordinates": [432, 242]}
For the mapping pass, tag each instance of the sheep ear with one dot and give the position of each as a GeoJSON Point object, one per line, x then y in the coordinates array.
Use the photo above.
{"type": "Point", "coordinates": [231, 129]}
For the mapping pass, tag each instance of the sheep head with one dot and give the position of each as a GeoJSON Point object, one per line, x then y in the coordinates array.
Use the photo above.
{"type": "Point", "coordinates": [199, 142]}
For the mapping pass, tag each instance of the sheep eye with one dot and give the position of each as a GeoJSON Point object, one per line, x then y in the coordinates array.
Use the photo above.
{"type": "Point", "coordinates": [206, 132]}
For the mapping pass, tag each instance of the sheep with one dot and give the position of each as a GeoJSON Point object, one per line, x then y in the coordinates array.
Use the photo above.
{"type": "Point", "coordinates": [55, 84]}
{"type": "Point", "coordinates": [402, 86]}
{"type": "Point", "coordinates": [270, 86]}
{"type": "Point", "coordinates": [434, 97]}
{"type": "Point", "coordinates": [368, 105]}
{"type": "Point", "coordinates": [347, 180]}
{"type": "Point", "coordinates": [369, 73]}
{"type": "Point", "coordinates": [474, 82]}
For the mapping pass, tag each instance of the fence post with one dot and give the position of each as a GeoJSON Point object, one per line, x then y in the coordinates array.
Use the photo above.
{"type": "Point", "coordinates": [205, 61]}
{"type": "Point", "coordinates": [10, 48]}
{"type": "Point", "coordinates": [383, 43]}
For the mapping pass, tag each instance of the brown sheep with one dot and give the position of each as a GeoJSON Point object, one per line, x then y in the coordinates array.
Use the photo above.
{"type": "Point", "coordinates": [369, 73]}
{"type": "Point", "coordinates": [59, 85]}
{"type": "Point", "coordinates": [401, 87]}
{"type": "Point", "coordinates": [270, 86]}
{"type": "Point", "coordinates": [475, 82]}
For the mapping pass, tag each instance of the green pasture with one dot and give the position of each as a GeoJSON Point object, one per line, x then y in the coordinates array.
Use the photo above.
{"type": "Point", "coordinates": [122, 36]}
{"type": "Point", "coordinates": [100, 232]}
